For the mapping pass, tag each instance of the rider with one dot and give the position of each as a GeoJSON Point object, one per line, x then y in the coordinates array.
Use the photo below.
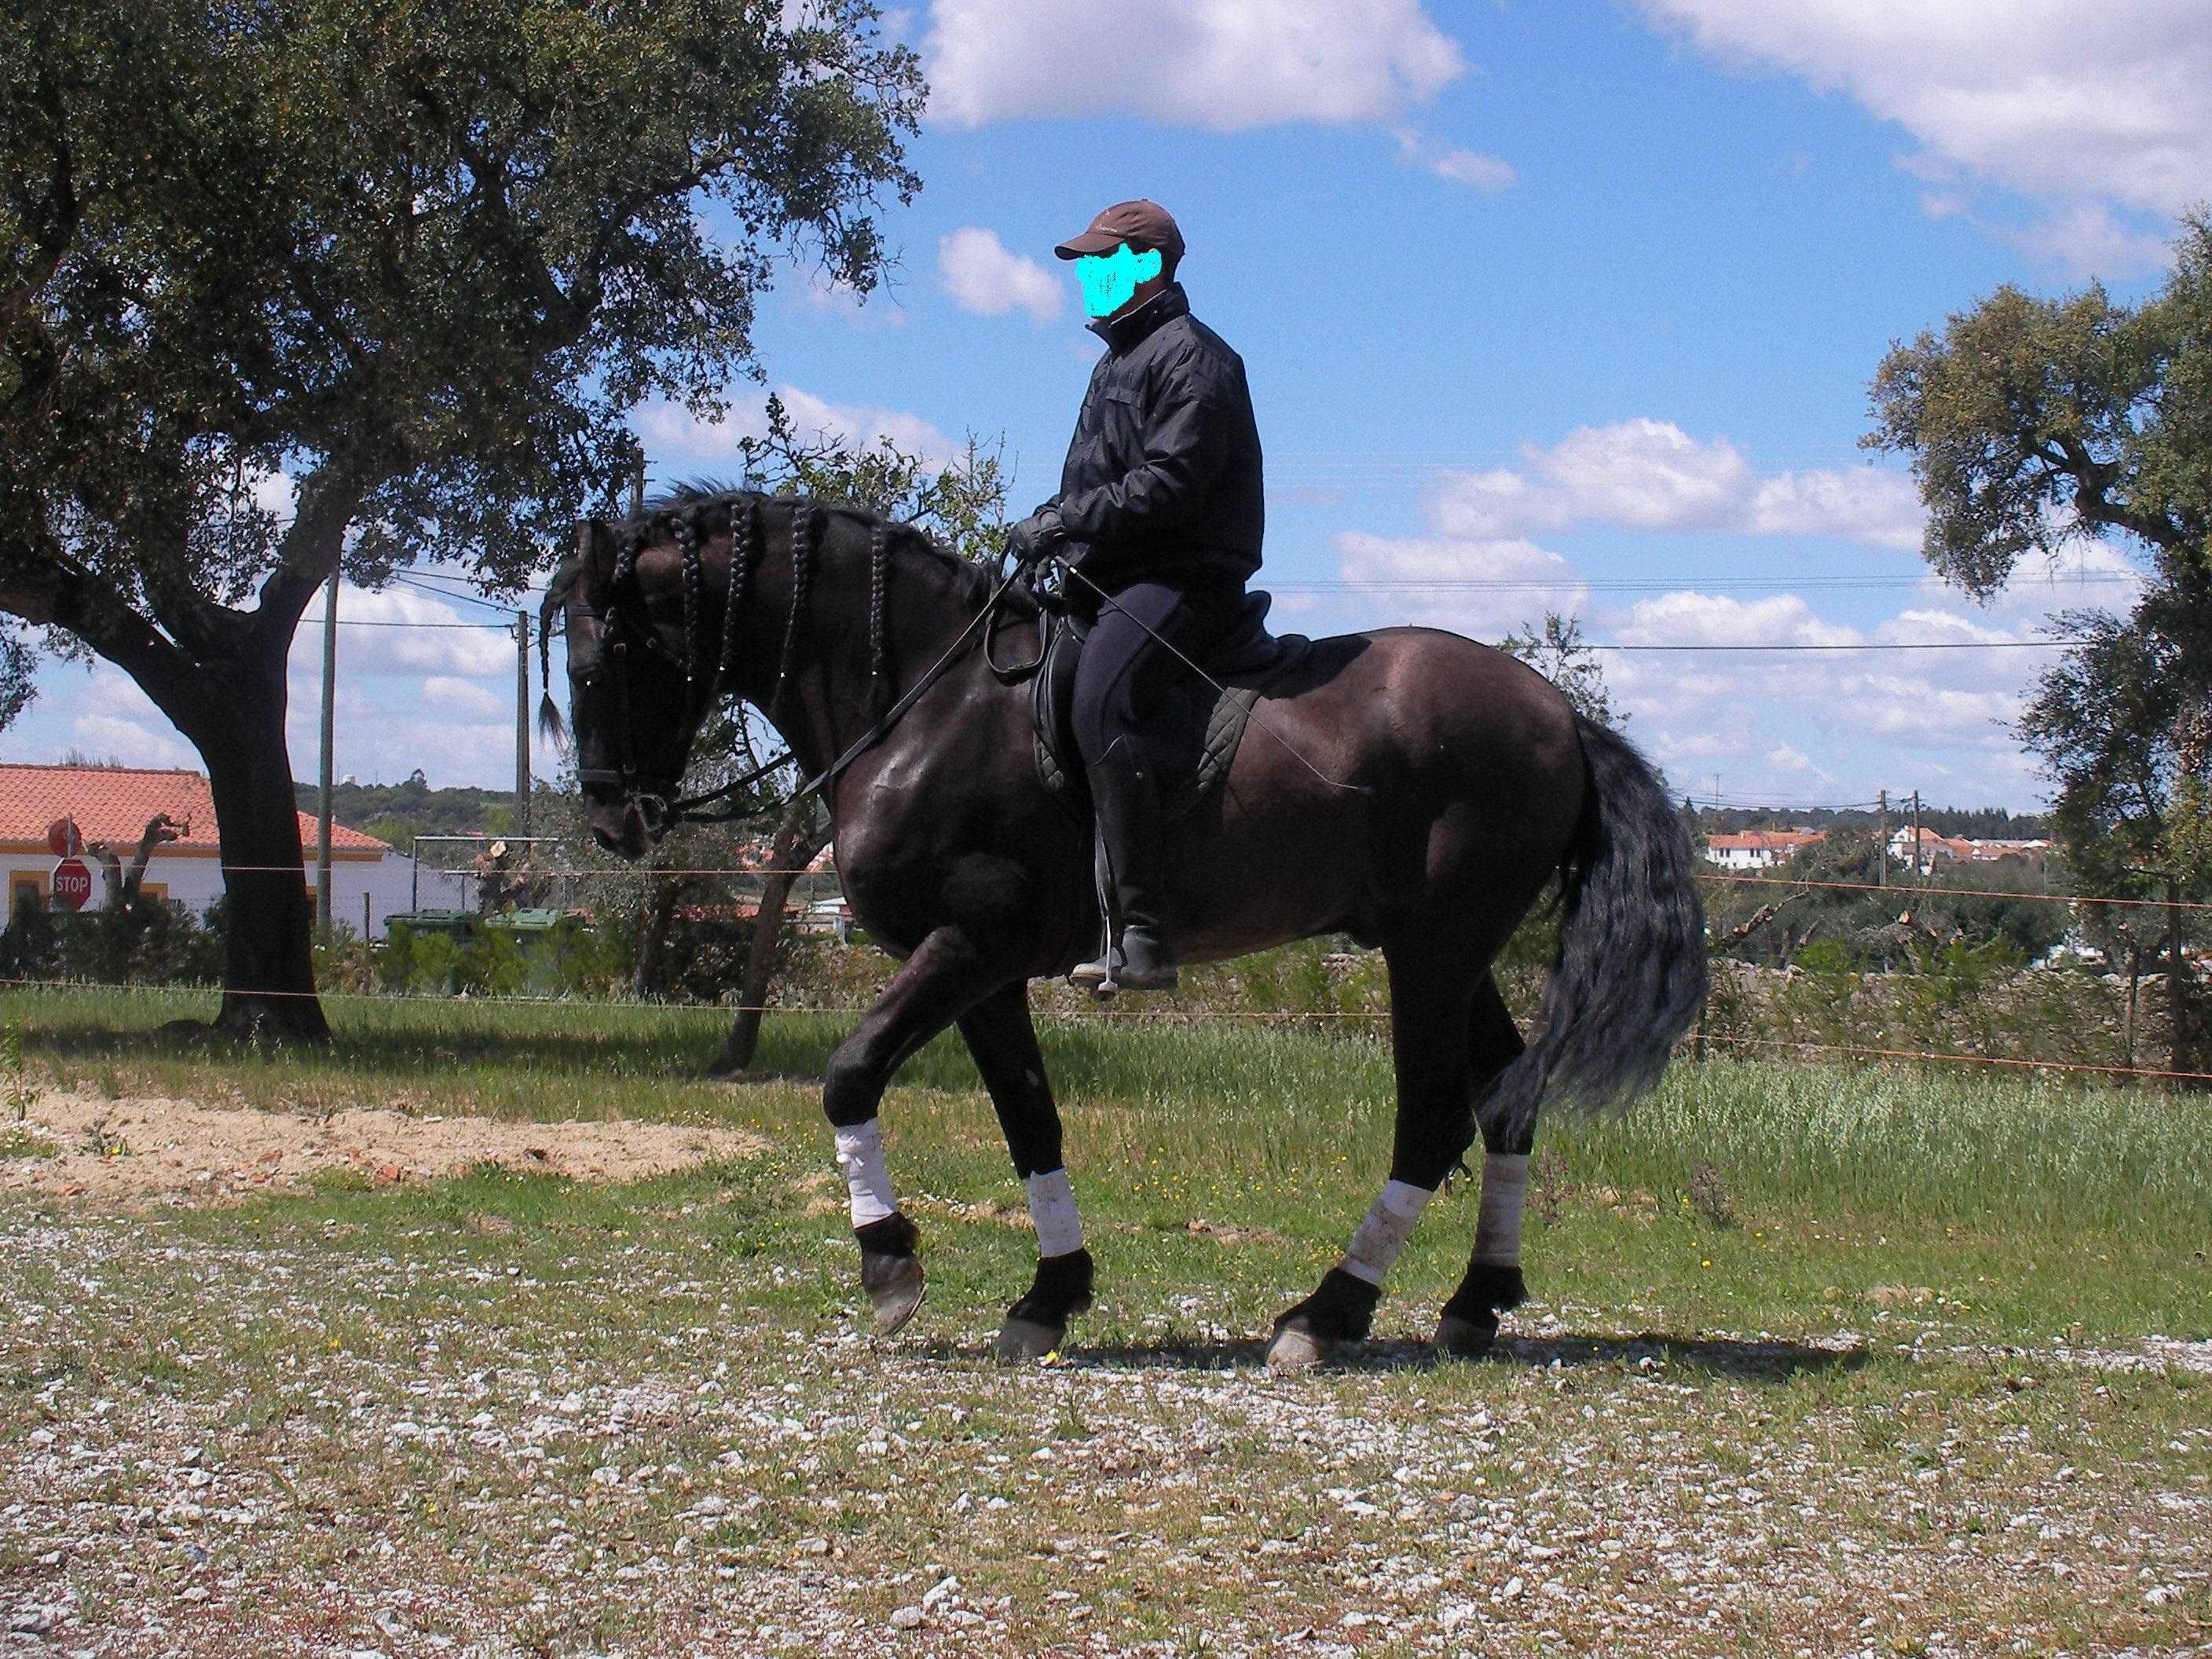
{"type": "Point", "coordinates": [1159, 514]}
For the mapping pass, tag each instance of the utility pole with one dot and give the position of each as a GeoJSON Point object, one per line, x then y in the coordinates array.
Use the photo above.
{"type": "Point", "coordinates": [323, 917]}
{"type": "Point", "coordinates": [1881, 842]}
{"type": "Point", "coordinates": [522, 722]}
{"type": "Point", "coordinates": [1916, 835]}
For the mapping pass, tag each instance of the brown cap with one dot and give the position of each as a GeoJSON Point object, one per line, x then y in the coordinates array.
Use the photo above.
{"type": "Point", "coordinates": [1147, 224]}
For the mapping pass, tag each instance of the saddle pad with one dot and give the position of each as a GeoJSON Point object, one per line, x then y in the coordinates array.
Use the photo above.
{"type": "Point", "coordinates": [1060, 770]}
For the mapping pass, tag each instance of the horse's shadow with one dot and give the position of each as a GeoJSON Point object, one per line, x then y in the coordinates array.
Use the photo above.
{"type": "Point", "coordinates": [1742, 1359]}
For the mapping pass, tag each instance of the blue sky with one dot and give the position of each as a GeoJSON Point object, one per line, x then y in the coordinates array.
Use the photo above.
{"type": "Point", "coordinates": [1578, 302]}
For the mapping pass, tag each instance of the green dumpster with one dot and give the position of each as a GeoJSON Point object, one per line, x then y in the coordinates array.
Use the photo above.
{"type": "Point", "coordinates": [537, 937]}
{"type": "Point", "coordinates": [458, 926]}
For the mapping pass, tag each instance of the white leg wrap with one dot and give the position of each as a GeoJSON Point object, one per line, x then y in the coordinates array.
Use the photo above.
{"type": "Point", "coordinates": [1389, 1224]}
{"type": "Point", "coordinates": [1051, 1207]}
{"type": "Point", "coordinates": [861, 1156]}
{"type": "Point", "coordinates": [1497, 1233]}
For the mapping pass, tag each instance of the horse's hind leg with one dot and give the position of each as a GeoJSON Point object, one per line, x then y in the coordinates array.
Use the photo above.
{"type": "Point", "coordinates": [1492, 1283]}
{"type": "Point", "coordinates": [1436, 1126]}
{"type": "Point", "coordinates": [1003, 1040]}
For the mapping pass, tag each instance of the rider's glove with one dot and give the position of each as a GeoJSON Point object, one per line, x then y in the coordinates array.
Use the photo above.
{"type": "Point", "coordinates": [1037, 536]}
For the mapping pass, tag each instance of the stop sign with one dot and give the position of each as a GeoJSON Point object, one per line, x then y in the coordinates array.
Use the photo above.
{"type": "Point", "coordinates": [72, 883]}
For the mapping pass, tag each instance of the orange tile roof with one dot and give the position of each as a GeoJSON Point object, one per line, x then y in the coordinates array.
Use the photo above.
{"type": "Point", "coordinates": [113, 803]}
{"type": "Point", "coordinates": [1782, 841]}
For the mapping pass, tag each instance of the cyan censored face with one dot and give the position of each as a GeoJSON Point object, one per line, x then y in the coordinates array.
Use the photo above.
{"type": "Point", "coordinates": [1108, 279]}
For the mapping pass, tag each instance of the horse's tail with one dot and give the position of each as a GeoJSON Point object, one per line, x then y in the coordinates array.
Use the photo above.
{"type": "Point", "coordinates": [1630, 975]}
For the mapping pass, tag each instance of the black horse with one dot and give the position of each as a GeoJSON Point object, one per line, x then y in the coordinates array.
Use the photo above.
{"type": "Point", "coordinates": [1408, 786]}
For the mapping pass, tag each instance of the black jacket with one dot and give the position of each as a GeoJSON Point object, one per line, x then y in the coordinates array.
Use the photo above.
{"type": "Point", "coordinates": [1163, 476]}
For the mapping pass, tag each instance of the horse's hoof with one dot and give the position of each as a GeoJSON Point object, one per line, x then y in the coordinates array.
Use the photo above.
{"type": "Point", "coordinates": [1021, 1340]}
{"type": "Point", "coordinates": [895, 1292]}
{"type": "Point", "coordinates": [1295, 1348]}
{"type": "Point", "coordinates": [1466, 1339]}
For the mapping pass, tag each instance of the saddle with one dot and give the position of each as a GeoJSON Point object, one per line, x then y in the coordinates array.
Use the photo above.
{"type": "Point", "coordinates": [1191, 739]}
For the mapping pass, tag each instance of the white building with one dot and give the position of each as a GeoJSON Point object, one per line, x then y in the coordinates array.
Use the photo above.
{"type": "Point", "coordinates": [1758, 849]}
{"type": "Point", "coordinates": [111, 807]}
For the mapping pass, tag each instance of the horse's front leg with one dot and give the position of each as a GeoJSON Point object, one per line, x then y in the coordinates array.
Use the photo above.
{"type": "Point", "coordinates": [1002, 1037]}
{"type": "Point", "coordinates": [946, 977]}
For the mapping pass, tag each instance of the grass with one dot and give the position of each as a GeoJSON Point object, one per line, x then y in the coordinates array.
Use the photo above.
{"type": "Point", "coordinates": [1793, 1365]}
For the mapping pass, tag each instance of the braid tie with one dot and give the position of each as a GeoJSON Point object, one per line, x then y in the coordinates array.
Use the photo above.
{"type": "Point", "coordinates": [687, 548]}
{"type": "Point", "coordinates": [879, 561]}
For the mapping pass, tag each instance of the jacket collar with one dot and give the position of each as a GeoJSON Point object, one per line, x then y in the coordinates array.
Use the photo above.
{"type": "Point", "coordinates": [1121, 333]}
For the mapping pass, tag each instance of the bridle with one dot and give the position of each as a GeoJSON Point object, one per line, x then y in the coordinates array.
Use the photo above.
{"type": "Point", "coordinates": [614, 643]}
{"type": "Point", "coordinates": [609, 642]}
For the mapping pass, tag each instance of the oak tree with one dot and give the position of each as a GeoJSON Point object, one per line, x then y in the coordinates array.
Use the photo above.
{"type": "Point", "coordinates": [420, 260]}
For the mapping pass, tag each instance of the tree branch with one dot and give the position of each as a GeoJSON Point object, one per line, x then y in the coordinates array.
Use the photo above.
{"type": "Point", "coordinates": [309, 552]}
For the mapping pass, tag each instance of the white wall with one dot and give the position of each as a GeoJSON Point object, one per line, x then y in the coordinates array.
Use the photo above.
{"type": "Point", "coordinates": [196, 882]}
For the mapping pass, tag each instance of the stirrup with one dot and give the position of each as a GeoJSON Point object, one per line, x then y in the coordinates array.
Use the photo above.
{"type": "Point", "coordinates": [1100, 971]}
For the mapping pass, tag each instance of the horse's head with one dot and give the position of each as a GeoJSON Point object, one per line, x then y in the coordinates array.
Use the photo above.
{"type": "Point", "coordinates": [633, 711]}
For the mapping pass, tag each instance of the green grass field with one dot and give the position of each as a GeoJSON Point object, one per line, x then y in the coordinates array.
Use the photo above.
{"type": "Point", "coordinates": [1819, 1360]}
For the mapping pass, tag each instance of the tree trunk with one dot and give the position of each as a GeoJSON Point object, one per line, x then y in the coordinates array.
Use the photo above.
{"type": "Point", "coordinates": [269, 971]}
{"type": "Point", "coordinates": [795, 845]}
{"type": "Point", "coordinates": [659, 913]}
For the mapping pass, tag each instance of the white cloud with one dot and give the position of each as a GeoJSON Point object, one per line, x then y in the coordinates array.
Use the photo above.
{"type": "Point", "coordinates": [2064, 102]}
{"type": "Point", "coordinates": [1650, 475]}
{"type": "Point", "coordinates": [439, 638]}
{"type": "Point", "coordinates": [864, 424]}
{"type": "Point", "coordinates": [107, 737]}
{"type": "Point", "coordinates": [678, 442]}
{"type": "Point", "coordinates": [1224, 66]}
{"type": "Point", "coordinates": [465, 696]}
{"type": "Point", "coordinates": [1487, 173]}
{"type": "Point", "coordinates": [984, 277]}
{"type": "Point", "coordinates": [1404, 563]}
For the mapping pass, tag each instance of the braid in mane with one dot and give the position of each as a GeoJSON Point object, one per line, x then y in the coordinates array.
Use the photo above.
{"type": "Point", "coordinates": [745, 540]}
{"type": "Point", "coordinates": [879, 563]}
{"type": "Point", "coordinates": [805, 525]}
{"type": "Point", "coordinates": [687, 548]}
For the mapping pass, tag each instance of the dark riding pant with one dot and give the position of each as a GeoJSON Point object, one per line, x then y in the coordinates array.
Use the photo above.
{"type": "Point", "coordinates": [1125, 672]}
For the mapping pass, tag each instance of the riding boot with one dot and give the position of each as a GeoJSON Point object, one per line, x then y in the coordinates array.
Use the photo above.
{"type": "Point", "coordinates": [1126, 797]}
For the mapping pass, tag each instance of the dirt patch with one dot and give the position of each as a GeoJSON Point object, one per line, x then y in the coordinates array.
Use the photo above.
{"type": "Point", "coordinates": [145, 1150]}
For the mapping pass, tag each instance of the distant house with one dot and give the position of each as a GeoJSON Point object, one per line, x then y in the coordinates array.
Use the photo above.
{"type": "Point", "coordinates": [111, 807]}
{"type": "Point", "coordinates": [1760, 849]}
{"type": "Point", "coordinates": [1936, 849]}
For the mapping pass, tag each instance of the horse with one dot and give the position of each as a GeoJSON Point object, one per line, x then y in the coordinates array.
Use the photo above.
{"type": "Point", "coordinates": [1406, 786]}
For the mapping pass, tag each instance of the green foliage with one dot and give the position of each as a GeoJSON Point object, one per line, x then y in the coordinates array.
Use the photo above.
{"type": "Point", "coordinates": [2032, 424]}
{"type": "Point", "coordinates": [1558, 652]}
{"type": "Point", "coordinates": [139, 941]}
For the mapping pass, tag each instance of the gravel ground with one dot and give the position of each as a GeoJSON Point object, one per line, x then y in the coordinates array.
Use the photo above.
{"type": "Point", "coordinates": [345, 1446]}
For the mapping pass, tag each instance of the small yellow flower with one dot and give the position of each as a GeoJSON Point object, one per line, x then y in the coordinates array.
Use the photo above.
{"type": "Point", "coordinates": [1707, 1262]}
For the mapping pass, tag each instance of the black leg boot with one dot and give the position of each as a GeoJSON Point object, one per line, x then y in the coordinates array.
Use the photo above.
{"type": "Point", "coordinates": [1126, 799]}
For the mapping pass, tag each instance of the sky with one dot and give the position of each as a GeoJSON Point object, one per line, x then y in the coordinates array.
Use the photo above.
{"type": "Point", "coordinates": [1543, 307]}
